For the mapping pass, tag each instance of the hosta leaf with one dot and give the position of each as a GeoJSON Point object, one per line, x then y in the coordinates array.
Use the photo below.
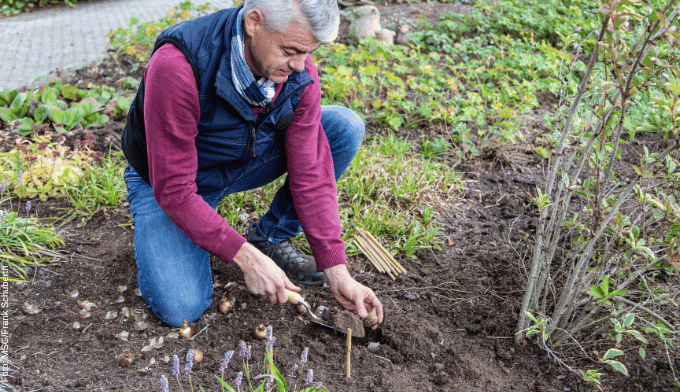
{"type": "Point", "coordinates": [40, 113]}
{"type": "Point", "coordinates": [89, 105]}
{"type": "Point", "coordinates": [26, 127]}
{"type": "Point", "coordinates": [72, 117]}
{"type": "Point", "coordinates": [20, 100]}
{"type": "Point", "coordinates": [69, 92]}
{"type": "Point", "coordinates": [124, 105]}
{"type": "Point", "coordinates": [60, 104]}
{"type": "Point", "coordinates": [55, 114]}
{"type": "Point", "coordinates": [7, 96]}
{"type": "Point", "coordinates": [101, 121]}
{"type": "Point", "coordinates": [8, 115]}
{"type": "Point", "coordinates": [48, 96]}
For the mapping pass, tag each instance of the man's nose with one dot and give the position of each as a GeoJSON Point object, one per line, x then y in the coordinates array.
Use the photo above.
{"type": "Point", "coordinates": [298, 63]}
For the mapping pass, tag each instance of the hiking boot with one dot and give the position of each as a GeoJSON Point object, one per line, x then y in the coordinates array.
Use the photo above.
{"type": "Point", "coordinates": [299, 268]}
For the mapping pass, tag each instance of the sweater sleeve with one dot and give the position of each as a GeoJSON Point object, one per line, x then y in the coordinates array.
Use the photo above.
{"type": "Point", "coordinates": [312, 178]}
{"type": "Point", "coordinates": [171, 116]}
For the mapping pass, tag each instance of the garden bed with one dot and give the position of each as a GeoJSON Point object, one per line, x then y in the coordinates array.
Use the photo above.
{"type": "Point", "coordinates": [449, 321]}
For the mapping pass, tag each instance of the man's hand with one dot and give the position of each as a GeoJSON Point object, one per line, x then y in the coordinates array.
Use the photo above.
{"type": "Point", "coordinates": [262, 275]}
{"type": "Point", "coordinates": [351, 294]}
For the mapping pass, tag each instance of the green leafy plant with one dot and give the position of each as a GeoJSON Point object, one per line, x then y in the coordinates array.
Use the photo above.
{"type": "Point", "coordinates": [25, 242]}
{"type": "Point", "coordinates": [64, 107]}
{"type": "Point", "coordinates": [44, 169]}
{"type": "Point", "coordinates": [137, 39]}
{"type": "Point", "coordinates": [13, 7]}
{"type": "Point", "coordinates": [616, 226]}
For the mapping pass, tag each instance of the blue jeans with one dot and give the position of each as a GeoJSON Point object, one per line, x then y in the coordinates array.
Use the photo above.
{"type": "Point", "coordinates": [173, 272]}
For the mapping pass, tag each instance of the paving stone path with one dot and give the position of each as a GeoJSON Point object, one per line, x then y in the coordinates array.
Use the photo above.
{"type": "Point", "coordinates": [34, 45]}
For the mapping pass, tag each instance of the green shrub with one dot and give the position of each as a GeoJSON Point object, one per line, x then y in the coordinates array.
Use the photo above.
{"type": "Point", "coordinates": [13, 7]}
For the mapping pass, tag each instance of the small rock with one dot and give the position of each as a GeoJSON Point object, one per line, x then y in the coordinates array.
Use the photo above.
{"type": "Point", "coordinates": [366, 24]}
{"type": "Point", "coordinates": [243, 217]}
{"type": "Point", "coordinates": [385, 36]}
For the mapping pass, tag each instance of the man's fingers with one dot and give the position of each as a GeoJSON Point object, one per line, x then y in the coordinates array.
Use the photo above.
{"type": "Point", "coordinates": [378, 309]}
{"type": "Point", "coordinates": [290, 286]}
{"type": "Point", "coordinates": [282, 296]}
{"type": "Point", "coordinates": [361, 308]}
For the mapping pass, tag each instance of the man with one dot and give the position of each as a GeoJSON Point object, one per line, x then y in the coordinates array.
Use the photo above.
{"type": "Point", "coordinates": [229, 102]}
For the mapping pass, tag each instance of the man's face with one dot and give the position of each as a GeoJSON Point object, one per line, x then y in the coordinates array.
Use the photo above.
{"type": "Point", "coordinates": [276, 55]}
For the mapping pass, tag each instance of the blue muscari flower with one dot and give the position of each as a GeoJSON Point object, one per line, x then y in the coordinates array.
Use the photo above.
{"type": "Point", "coordinates": [189, 361]}
{"type": "Point", "coordinates": [310, 377]}
{"type": "Point", "coordinates": [175, 366]}
{"type": "Point", "coordinates": [244, 348]}
{"type": "Point", "coordinates": [225, 361]}
{"type": "Point", "coordinates": [270, 343]}
{"type": "Point", "coordinates": [164, 384]}
{"type": "Point", "coordinates": [303, 356]}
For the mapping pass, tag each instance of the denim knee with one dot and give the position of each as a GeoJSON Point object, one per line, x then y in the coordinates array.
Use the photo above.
{"type": "Point", "coordinates": [173, 310]}
{"type": "Point", "coordinates": [353, 127]}
{"type": "Point", "coordinates": [345, 132]}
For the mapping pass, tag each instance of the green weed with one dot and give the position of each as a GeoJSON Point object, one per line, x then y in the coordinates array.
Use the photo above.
{"type": "Point", "coordinates": [25, 242]}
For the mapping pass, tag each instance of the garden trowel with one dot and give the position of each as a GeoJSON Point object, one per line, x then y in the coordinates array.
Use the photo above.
{"type": "Point", "coordinates": [343, 321]}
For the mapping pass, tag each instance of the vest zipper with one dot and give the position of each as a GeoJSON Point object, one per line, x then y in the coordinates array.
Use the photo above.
{"type": "Point", "coordinates": [263, 116]}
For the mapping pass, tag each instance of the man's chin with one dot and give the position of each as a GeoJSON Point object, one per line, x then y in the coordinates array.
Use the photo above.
{"type": "Point", "coordinates": [278, 78]}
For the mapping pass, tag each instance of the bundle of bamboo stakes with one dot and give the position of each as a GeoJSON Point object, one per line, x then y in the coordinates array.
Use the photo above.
{"type": "Point", "coordinates": [377, 255]}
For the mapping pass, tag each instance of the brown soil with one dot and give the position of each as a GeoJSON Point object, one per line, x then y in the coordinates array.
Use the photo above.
{"type": "Point", "coordinates": [449, 320]}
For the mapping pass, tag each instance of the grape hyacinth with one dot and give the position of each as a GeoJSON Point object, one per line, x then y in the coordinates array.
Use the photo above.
{"type": "Point", "coordinates": [175, 366]}
{"type": "Point", "coordinates": [189, 362]}
{"type": "Point", "coordinates": [164, 384]}
{"type": "Point", "coordinates": [225, 361]}
{"type": "Point", "coordinates": [303, 356]}
{"type": "Point", "coordinates": [269, 343]}
{"type": "Point", "coordinates": [243, 351]}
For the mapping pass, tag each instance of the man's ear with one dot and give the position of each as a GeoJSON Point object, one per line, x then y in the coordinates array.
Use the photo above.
{"type": "Point", "coordinates": [254, 22]}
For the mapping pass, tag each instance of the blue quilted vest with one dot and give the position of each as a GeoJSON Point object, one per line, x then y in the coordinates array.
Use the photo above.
{"type": "Point", "coordinates": [228, 135]}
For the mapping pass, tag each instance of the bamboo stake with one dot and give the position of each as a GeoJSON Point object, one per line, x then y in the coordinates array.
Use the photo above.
{"type": "Point", "coordinates": [349, 352]}
{"type": "Point", "coordinates": [374, 257]}
{"type": "Point", "coordinates": [381, 255]}
{"type": "Point", "coordinates": [397, 267]}
{"type": "Point", "coordinates": [362, 247]}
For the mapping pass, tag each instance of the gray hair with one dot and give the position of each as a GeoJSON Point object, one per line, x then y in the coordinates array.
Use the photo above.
{"type": "Point", "coordinates": [322, 16]}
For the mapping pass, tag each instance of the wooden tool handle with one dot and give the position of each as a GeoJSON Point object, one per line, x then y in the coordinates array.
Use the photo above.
{"type": "Point", "coordinates": [294, 297]}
